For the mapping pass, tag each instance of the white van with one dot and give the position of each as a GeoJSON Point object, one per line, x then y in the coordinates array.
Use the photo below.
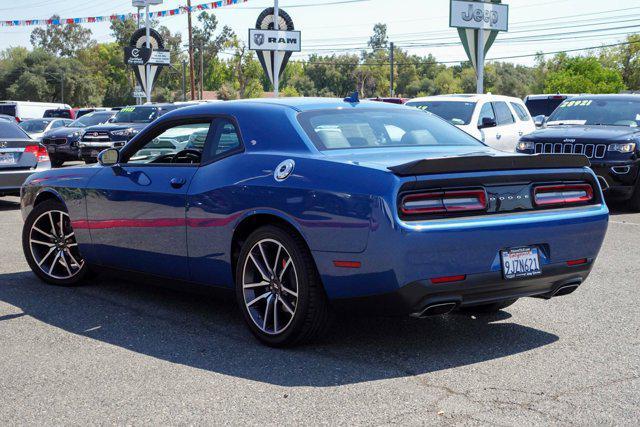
{"type": "Point", "coordinates": [25, 110]}
{"type": "Point", "coordinates": [498, 121]}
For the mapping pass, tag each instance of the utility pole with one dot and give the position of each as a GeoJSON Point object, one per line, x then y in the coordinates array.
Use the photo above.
{"type": "Point", "coordinates": [480, 59]}
{"type": "Point", "coordinates": [191, 62]}
{"type": "Point", "coordinates": [184, 80]}
{"type": "Point", "coordinates": [276, 57]}
{"type": "Point", "coordinates": [201, 71]}
{"type": "Point", "coordinates": [391, 74]}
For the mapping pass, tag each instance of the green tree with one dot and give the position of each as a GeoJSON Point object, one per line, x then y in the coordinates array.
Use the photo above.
{"type": "Point", "coordinates": [446, 83]}
{"type": "Point", "coordinates": [379, 39]}
{"type": "Point", "coordinates": [62, 40]}
{"type": "Point", "coordinates": [584, 75]}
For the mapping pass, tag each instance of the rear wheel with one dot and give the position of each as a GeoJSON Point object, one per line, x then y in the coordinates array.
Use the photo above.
{"type": "Point", "coordinates": [278, 288]}
{"type": "Point", "coordinates": [50, 246]}
{"type": "Point", "coordinates": [488, 308]}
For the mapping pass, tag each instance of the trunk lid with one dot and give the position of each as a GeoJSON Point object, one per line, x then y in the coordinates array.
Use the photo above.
{"type": "Point", "coordinates": [13, 155]}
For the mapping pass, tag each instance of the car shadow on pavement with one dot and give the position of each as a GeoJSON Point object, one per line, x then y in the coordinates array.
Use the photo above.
{"type": "Point", "coordinates": [9, 204]}
{"type": "Point", "coordinates": [208, 333]}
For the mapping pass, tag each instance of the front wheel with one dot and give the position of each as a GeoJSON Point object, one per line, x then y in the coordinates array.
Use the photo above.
{"type": "Point", "coordinates": [50, 246]}
{"type": "Point", "coordinates": [278, 288]}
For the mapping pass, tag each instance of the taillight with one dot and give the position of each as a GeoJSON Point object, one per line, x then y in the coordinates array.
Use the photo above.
{"type": "Point", "coordinates": [444, 202]}
{"type": "Point", "coordinates": [18, 119]}
{"type": "Point", "coordinates": [562, 194]}
{"type": "Point", "coordinates": [39, 151]}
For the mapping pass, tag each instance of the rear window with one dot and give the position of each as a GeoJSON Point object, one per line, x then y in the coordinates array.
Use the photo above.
{"type": "Point", "coordinates": [11, 131]}
{"type": "Point", "coordinates": [345, 129]}
{"type": "Point", "coordinates": [35, 126]}
{"type": "Point", "coordinates": [543, 107]}
{"type": "Point", "coordinates": [8, 109]}
{"type": "Point", "coordinates": [456, 112]}
{"type": "Point", "coordinates": [59, 114]}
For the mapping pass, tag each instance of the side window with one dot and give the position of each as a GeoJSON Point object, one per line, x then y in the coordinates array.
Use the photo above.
{"type": "Point", "coordinates": [520, 111]}
{"type": "Point", "coordinates": [57, 124]}
{"type": "Point", "coordinates": [225, 139]}
{"type": "Point", "coordinates": [164, 146]}
{"type": "Point", "coordinates": [503, 114]}
{"type": "Point", "coordinates": [486, 111]}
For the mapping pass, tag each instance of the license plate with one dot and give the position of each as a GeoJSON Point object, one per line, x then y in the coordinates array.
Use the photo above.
{"type": "Point", "coordinates": [520, 262]}
{"type": "Point", "coordinates": [7, 159]}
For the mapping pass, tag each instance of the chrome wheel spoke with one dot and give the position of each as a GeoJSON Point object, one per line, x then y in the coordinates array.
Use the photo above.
{"type": "Point", "coordinates": [264, 275]}
{"type": "Point", "coordinates": [61, 224]}
{"type": "Point", "coordinates": [51, 236]}
{"type": "Point", "coordinates": [39, 242]}
{"type": "Point", "coordinates": [289, 291]}
{"type": "Point", "coordinates": [286, 306]}
{"type": "Point", "coordinates": [284, 269]}
{"type": "Point", "coordinates": [255, 285]}
{"type": "Point", "coordinates": [261, 297]}
{"type": "Point", "coordinates": [264, 259]}
{"type": "Point", "coordinates": [46, 256]}
{"type": "Point", "coordinates": [53, 264]}
{"type": "Point", "coordinates": [266, 312]}
{"type": "Point", "coordinates": [75, 261]}
{"type": "Point", "coordinates": [275, 315]}
{"type": "Point", "coordinates": [64, 262]}
{"type": "Point", "coordinates": [53, 225]}
{"type": "Point", "coordinates": [275, 262]}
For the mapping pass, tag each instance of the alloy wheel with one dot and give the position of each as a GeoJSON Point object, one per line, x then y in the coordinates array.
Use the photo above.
{"type": "Point", "coordinates": [53, 245]}
{"type": "Point", "coordinates": [270, 286]}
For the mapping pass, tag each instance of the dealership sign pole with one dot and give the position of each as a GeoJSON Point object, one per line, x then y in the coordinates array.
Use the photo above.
{"type": "Point", "coordinates": [148, 78]}
{"type": "Point", "coordinates": [478, 23]}
{"type": "Point", "coordinates": [274, 40]}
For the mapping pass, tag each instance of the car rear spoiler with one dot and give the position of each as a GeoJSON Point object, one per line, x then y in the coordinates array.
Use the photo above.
{"type": "Point", "coordinates": [490, 163]}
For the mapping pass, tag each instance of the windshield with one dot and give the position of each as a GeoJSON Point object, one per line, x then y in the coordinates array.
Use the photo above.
{"type": "Point", "coordinates": [35, 126]}
{"type": "Point", "coordinates": [373, 128]}
{"type": "Point", "coordinates": [615, 112]}
{"type": "Point", "coordinates": [11, 131]}
{"type": "Point", "coordinates": [91, 119]}
{"type": "Point", "coordinates": [136, 115]}
{"type": "Point", "coordinates": [456, 112]}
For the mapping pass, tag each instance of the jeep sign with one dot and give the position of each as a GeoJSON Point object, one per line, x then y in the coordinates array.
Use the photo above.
{"type": "Point", "coordinates": [284, 41]}
{"type": "Point", "coordinates": [476, 15]}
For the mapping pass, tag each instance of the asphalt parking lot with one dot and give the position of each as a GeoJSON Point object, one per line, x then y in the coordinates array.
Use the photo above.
{"type": "Point", "coordinates": [120, 352]}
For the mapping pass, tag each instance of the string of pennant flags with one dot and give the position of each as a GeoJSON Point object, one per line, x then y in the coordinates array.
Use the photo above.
{"type": "Point", "coordinates": [121, 17]}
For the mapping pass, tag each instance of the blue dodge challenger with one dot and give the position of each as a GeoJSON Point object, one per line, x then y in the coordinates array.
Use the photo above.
{"type": "Point", "coordinates": [306, 206]}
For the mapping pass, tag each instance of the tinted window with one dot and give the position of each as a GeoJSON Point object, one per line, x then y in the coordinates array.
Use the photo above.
{"type": "Point", "coordinates": [520, 111]}
{"type": "Point", "coordinates": [136, 115]}
{"type": "Point", "coordinates": [35, 126]}
{"type": "Point", "coordinates": [58, 124]}
{"type": "Point", "coordinates": [543, 107]}
{"type": "Point", "coordinates": [224, 139]}
{"type": "Point", "coordinates": [8, 109]}
{"type": "Point", "coordinates": [617, 112]}
{"type": "Point", "coordinates": [503, 114]}
{"type": "Point", "coordinates": [456, 112]}
{"type": "Point", "coordinates": [486, 111]}
{"type": "Point", "coordinates": [11, 131]}
{"type": "Point", "coordinates": [336, 129]}
{"type": "Point", "coordinates": [63, 114]}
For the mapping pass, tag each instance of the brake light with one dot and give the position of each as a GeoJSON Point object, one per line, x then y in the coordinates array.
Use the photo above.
{"type": "Point", "coordinates": [562, 194]}
{"type": "Point", "coordinates": [444, 202]}
{"type": "Point", "coordinates": [39, 151]}
{"type": "Point", "coordinates": [558, 97]}
{"type": "Point", "coordinates": [575, 262]}
{"type": "Point", "coordinates": [448, 279]}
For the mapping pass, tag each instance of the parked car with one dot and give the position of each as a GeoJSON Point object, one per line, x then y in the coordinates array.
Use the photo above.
{"type": "Point", "coordinates": [7, 118]}
{"type": "Point", "coordinates": [61, 113]}
{"type": "Point", "coordinates": [390, 100]}
{"type": "Point", "coordinates": [605, 128]}
{"type": "Point", "coordinates": [25, 110]}
{"type": "Point", "coordinates": [498, 121]}
{"type": "Point", "coordinates": [305, 205]}
{"type": "Point", "coordinates": [20, 157]}
{"type": "Point", "coordinates": [79, 112]}
{"type": "Point", "coordinates": [62, 143]}
{"type": "Point", "coordinates": [541, 106]}
{"type": "Point", "coordinates": [127, 122]}
{"type": "Point", "coordinates": [36, 128]}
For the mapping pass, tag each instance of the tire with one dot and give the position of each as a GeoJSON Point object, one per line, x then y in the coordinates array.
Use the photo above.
{"type": "Point", "coordinates": [52, 259]}
{"type": "Point", "coordinates": [56, 163]}
{"type": "Point", "coordinates": [488, 308]}
{"type": "Point", "coordinates": [290, 319]}
{"type": "Point", "coordinates": [634, 201]}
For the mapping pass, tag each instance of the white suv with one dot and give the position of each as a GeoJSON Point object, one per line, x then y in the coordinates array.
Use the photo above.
{"type": "Point", "coordinates": [498, 121]}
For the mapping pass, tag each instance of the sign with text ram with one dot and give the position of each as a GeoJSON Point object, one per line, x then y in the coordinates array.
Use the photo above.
{"type": "Point", "coordinates": [271, 40]}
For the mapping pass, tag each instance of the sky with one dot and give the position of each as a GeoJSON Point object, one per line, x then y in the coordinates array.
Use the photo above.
{"type": "Point", "coordinates": [421, 26]}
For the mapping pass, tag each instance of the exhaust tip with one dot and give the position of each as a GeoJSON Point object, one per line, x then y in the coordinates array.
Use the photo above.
{"type": "Point", "coordinates": [566, 289]}
{"type": "Point", "coordinates": [436, 309]}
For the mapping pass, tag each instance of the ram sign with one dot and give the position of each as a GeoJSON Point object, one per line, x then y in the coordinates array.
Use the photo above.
{"type": "Point", "coordinates": [284, 41]}
{"type": "Point", "coordinates": [476, 15]}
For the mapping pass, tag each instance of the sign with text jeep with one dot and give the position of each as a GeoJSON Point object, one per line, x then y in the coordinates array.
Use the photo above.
{"type": "Point", "coordinates": [477, 14]}
{"type": "Point", "coordinates": [284, 41]}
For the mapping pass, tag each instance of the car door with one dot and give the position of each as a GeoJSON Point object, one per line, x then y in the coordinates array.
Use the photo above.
{"type": "Point", "coordinates": [213, 199]}
{"type": "Point", "coordinates": [488, 133]}
{"type": "Point", "coordinates": [506, 131]}
{"type": "Point", "coordinates": [136, 209]}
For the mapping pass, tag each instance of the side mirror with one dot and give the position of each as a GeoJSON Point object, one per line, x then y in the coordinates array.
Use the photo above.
{"type": "Point", "coordinates": [539, 120]}
{"type": "Point", "coordinates": [109, 157]}
{"type": "Point", "coordinates": [487, 122]}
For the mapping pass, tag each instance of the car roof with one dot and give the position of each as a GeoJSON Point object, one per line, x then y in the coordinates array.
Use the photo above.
{"type": "Point", "coordinates": [466, 97]}
{"type": "Point", "coordinates": [610, 97]}
{"type": "Point", "coordinates": [312, 103]}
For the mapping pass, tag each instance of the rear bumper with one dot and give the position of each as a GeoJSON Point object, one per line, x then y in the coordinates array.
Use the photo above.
{"type": "Point", "coordinates": [483, 288]}
{"type": "Point", "coordinates": [12, 180]}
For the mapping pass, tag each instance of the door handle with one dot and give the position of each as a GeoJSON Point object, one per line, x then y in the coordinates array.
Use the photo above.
{"type": "Point", "coordinates": [498, 136]}
{"type": "Point", "coordinates": [177, 182]}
